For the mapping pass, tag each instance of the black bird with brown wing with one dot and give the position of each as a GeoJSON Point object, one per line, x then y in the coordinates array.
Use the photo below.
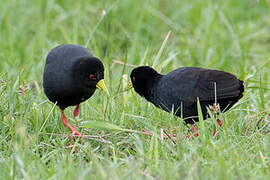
{"type": "Point", "coordinates": [179, 90]}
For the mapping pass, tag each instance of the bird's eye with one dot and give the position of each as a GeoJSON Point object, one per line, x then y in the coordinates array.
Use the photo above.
{"type": "Point", "coordinates": [133, 79]}
{"type": "Point", "coordinates": [93, 77]}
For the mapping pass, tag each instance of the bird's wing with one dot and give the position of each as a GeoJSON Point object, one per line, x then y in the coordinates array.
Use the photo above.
{"type": "Point", "coordinates": [217, 84]}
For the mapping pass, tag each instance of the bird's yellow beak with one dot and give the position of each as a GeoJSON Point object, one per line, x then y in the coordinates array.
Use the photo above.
{"type": "Point", "coordinates": [102, 87]}
{"type": "Point", "coordinates": [129, 86]}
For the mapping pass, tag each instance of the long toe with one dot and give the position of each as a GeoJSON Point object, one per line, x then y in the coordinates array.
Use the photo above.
{"type": "Point", "coordinates": [188, 136]}
{"type": "Point", "coordinates": [195, 131]}
{"type": "Point", "coordinates": [76, 133]}
{"type": "Point", "coordinates": [73, 130]}
{"type": "Point", "coordinates": [146, 132]}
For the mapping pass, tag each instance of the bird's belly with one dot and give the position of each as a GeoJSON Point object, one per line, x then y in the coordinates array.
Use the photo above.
{"type": "Point", "coordinates": [67, 97]}
{"type": "Point", "coordinates": [189, 112]}
{"type": "Point", "coordinates": [75, 98]}
{"type": "Point", "coordinates": [182, 109]}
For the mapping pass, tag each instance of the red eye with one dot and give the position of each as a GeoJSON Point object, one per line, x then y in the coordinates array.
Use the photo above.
{"type": "Point", "coordinates": [133, 79]}
{"type": "Point", "coordinates": [93, 77]}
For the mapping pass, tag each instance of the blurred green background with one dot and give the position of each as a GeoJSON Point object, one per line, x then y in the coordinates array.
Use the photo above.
{"type": "Point", "coordinates": [230, 35]}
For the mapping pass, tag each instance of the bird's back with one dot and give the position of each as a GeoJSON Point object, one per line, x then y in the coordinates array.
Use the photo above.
{"type": "Point", "coordinates": [66, 53]}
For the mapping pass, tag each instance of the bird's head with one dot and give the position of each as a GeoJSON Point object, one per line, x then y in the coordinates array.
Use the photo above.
{"type": "Point", "coordinates": [142, 79]}
{"type": "Point", "coordinates": [90, 72]}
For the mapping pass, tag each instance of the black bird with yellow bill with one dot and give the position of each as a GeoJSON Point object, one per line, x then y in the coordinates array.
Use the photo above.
{"type": "Point", "coordinates": [71, 76]}
{"type": "Point", "coordinates": [179, 90]}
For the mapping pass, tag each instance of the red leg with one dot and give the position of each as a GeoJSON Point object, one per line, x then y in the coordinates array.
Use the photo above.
{"type": "Point", "coordinates": [64, 119]}
{"type": "Point", "coordinates": [65, 123]}
{"type": "Point", "coordinates": [214, 132]}
{"type": "Point", "coordinates": [220, 124]}
{"type": "Point", "coordinates": [76, 110]}
{"type": "Point", "coordinates": [146, 132]}
{"type": "Point", "coordinates": [194, 129]}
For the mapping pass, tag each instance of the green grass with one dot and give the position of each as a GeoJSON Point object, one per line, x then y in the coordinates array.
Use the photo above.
{"type": "Point", "coordinates": [229, 35]}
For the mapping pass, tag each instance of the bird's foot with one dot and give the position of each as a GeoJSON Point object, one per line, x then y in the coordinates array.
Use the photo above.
{"type": "Point", "coordinates": [74, 132]}
{"type": "Point", "coordinates": [146, 132]}
{"type": "Point", "coordinates": [194, 129]}
{"type": "Point", "coordinates": [188, 136]}
{"type": "Point", "coordinates": [77, 133]}
{"type": "Point", "coordinates": [65, 123]}
{"type": "Point", "coordinates": [149, 133]}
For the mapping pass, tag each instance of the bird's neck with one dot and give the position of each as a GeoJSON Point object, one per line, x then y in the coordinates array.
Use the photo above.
{"type": "Point", "coordinates": [150, 88]}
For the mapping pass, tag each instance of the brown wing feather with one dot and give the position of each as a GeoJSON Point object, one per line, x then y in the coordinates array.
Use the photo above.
{"type": "Point", "coordinates": [227, 86]}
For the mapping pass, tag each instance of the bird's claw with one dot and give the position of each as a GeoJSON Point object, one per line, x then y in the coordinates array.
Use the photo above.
{"type": "Point", "coordinates": [76, 133]}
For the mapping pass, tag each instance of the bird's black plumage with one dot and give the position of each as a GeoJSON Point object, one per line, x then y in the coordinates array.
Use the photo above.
{"type": "Point", "coordinates": [66, 75]}
{"type": "Point", "coordinates": [71, 76]}
{"type": "Point", "coordinates": [178, 90]}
